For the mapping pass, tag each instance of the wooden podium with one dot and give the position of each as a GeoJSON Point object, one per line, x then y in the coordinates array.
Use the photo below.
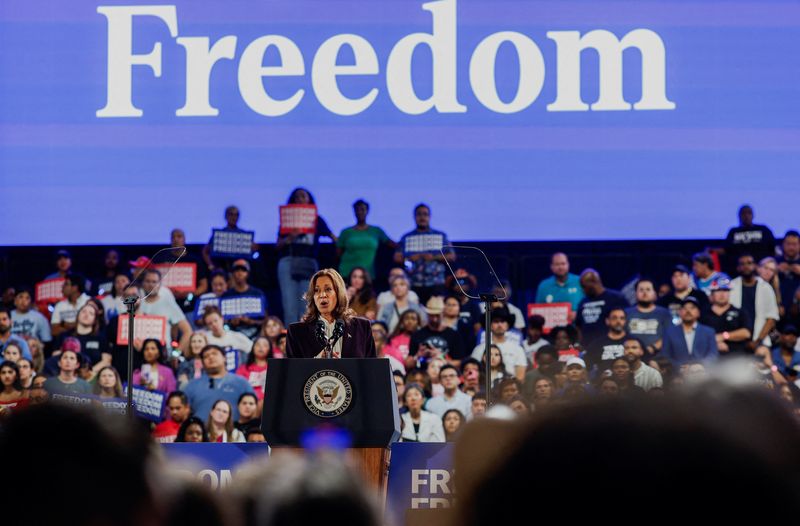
{"type": "Point", "coordinates": [356, 396]}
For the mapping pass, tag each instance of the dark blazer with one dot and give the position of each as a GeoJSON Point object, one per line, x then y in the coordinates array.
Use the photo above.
{"type": "Point", "coordinates": [357, 341]}
{"type": "Point", "coordinates": [703, 349]}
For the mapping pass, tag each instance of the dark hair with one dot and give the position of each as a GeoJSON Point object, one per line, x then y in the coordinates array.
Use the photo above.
{"type": "Point", "coordinates": [462, 421]}
{"type": "Point", "coordinates": [536, 321]}
{"type": "Point", "coordinates": [4, 309]}
{"type": "Point", "coordinates": [251, 356]}
{"type": "Point", "coordinates": [745, 255]}
{"type": "Point", "coordinates": [414, 387]}
{"type": "Point", "coordinates": [547, 349]}
{"type": "Point", "coordinates": [209, 347]}
{"type": "Point", "coordinates": [211, 309]}
{"type": "Point", "coordinates": [366, 293]}
{"type": "Point", "coordinates": [245, 395]}
{"type": "Point", "coordinates": [179, 395]}
{"type": "Point", "coordinates": [468, 361]}
{"type": "Point", "coordinates": [17, 385]}
{"type": "Point", "coordinates": [359, 202]}
{"type": "Point", "coordinates": [644, 279]}
{"type": "Point", "coordinates": [399, 374]}
{"type": "Point", "coordinates": [480, 396]}
{"type": "Point", "coordinates": [151, 270]}
{"type": "Point", "coordinates": [118, 274]}
{"type": "Point", "coordinates": [293, 195]}
{"type": "Point", "coordinates": [613, 309]}
{"type": "Point", "coordinates": [398, 329]}
{"type": "Point", "coordinates": [158, 345]}
{"type": "Point", "coordinates": [20, 290]}
{"type": "Point", "coordinates": [704, 258]}
{"type": "Point", "coordinates": [634, 338]}
{"type": "Point", "coordinates": [192, 420]}
{"type": "Point", "coordinates": [218, 272]}
{"type": "Point", "coordinates": [448, 366]}
{"type": "Point", "coordinates": [791, 233]}
{"type": "Point", "coordinates": [421, 205]}
{"type": "Point", "coordinates": [487, 360]}
{"type": "Point", "coordinates": [77, 280]}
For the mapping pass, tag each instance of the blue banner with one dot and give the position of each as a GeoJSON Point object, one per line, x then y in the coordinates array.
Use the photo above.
{"type": "Point", "coordinates": [572, 119]}
{"type": "Point", "coordinates": [232, 245]}
{"type": "Point", "coordinates": [233, 307]}
{"type": "Point", "coordinates": [149, 404]}
{"type": "Point", "coordinates": [213, 464]}
{"type": "Point", "coordinates": [232, 359]}
{"type": "Point", "coordinates": [202, 304]}
{"type": "Point", "coordinates": [420, 477]}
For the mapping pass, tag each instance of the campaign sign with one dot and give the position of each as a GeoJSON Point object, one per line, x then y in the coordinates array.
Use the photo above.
{"type": "Point", "coordinates": [202, 303]}
{"type": "Point", "coordinates": [423, 243]}
{"type": "Point", "coordinates": [149, 404]}
{"type": "Point", "coordinates": [420, 477]}
{"type": "Point", "coordinates": [144, 327]}
{"type": "Point", "coordinates": [115, 405]}
{"type": "Point", "coordinates": [298, 217]}
{"type": "Point", "coordinates": [231, 359]}
{"type": "Point", "coordinates": [213, 465]}
{"type": "Point", "coordinates": [252, 306]}
{"type": "Point", "coordinates": [50, 290]}
{"type": "Point", "coordinates": [180, 277]}
{"type": "Point", "coordinates": [231, 244]}
{"type": "Point", "coordinates": [554, 314]}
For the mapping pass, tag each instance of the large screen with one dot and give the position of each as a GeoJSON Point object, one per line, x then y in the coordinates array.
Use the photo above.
{"type": "Point", "coordinates": [513, 120]}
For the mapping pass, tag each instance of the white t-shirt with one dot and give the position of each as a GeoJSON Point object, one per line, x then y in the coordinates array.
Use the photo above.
{"type": "Point", "coordinates": [66, 311]}
{"type": "Point", "coordinates": [233, 339]}
{"type": "Point", "coordinates": [163, 306]}
{"type": "Point", "coordinates": [513, 355]}
{"type": "Point", "coordinates": [385, 297]}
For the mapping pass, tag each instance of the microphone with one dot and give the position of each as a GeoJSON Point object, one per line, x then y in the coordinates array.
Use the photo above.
{"type": "Point", "coordinates": [320, 333]}
{"type": "Point", "coordinates": [338, 330]}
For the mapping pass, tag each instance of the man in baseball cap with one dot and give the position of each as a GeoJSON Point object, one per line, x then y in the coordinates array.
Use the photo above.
{"type": "Point", "coordinates": [730, 324]}
{"type": "Point", "coordinates": [435, 339]}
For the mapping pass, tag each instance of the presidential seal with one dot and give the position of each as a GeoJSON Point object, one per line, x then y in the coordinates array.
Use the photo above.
{"type": "Point", "coordinates": [328, 393]}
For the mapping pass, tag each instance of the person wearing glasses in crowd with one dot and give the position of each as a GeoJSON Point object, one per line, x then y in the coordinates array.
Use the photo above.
{"type": "Point", "coordinates": [452, 397]}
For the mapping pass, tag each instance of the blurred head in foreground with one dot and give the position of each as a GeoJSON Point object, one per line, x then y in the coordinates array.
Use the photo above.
{"type": "Point", "coordinates": [720, 452]}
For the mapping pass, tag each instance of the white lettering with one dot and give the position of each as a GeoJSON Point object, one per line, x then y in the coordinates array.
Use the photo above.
{"type": "Point", "coordinates": [210, 477]}
{"type": "Point", "coordinates": [121, 58]}
{"type": "Point", "coordinates": [569, 45]}
{"type": "Point", "coordinates": [531, 72]}
{"type": "Point", "coordinates": [324, 71]}
{"type": "Point", "coordinates": [418, 502]}
{"type": "Point", "coordinates": [442, 43]}
{"type": "Point", "coordinates": [200, 60]}
{"type": "Point", "coordinates": [418, 479]}
{"type": "Point", "coordinates": [440, 478]}
{"type": "Point", "coordinates": [252, 70]}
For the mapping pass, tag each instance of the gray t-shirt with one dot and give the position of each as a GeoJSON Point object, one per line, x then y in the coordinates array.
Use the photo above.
{"type": "Point", "coordinates": [647, 326]}
{"type": "Point", "coordinates": [30, 324]}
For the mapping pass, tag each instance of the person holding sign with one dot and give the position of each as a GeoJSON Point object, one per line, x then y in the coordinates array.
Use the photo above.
{"type": "Point", "coordinates": [231, 225]}
{"type": "Point", "coordinates": [158, 304]}
{"type": "Point", "coordinates": [248, 313]}
{"type": "Point", "coordinates": [329, 318]}
{"type": "Point", "coordinates": [421, 249]}
{"type": "Point", "coordinates": [357, 245]}
{"type": "Point", "coordinates": [154, 375]}
{"type": "Point", "coordinates": [297, 253]}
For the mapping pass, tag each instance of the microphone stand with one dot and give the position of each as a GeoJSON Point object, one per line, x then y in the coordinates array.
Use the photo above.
{"type": "Point", "coordinates": [130, 302]}
{"type": "Point", "coordinates": [487, 300]}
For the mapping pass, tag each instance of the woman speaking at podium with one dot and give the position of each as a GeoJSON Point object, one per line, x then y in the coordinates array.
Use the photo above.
{"type": "Point", "coordinates": [329, 326]}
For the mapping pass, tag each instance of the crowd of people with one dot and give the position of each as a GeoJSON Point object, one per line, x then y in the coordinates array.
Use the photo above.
{"type": "Point", "coordinates": [211, 367]}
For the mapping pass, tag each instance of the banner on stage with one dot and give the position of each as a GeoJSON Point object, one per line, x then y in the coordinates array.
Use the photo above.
{"type": "Point", "coordinates": [230, 244]}
{"type": "Point", "coordinates": [149, 404]}
{"type": "Point", "coordinates": [180, 277]}
{"type": "Point", "coordinates": [420, 477]}
{"type": "Point", "coordinates": [252, 306]}
{"type": "Point", "coordinates": [554, 314]}
{"type": "Point", "coordinates": [213, 465]}
{"type": "Point", "coordinates": [298, 217]}
{"type": "Point", "coordinates": [144, 327]}
{"type": "Point", "coordinates": [50, 290]}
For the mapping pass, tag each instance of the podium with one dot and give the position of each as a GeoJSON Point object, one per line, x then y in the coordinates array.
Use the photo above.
{"type": "Point", "coordinates": [357, 395]}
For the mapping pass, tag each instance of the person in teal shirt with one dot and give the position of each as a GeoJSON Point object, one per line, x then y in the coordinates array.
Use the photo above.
{"type": "Point", "coordinates": [357, 245]}
{"type": "Point", "coordinates": [561, 287]}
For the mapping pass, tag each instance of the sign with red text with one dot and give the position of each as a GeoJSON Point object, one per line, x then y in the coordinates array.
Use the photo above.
{"type": "Point", "coordinates": [180, 277]}
{"type": "Point", "coordinates": [301, 218]}
{"type": "Point", "coordinates": [144, 327]}
{"type": "Point", "coordinates": [50, 290]}
{"type": "Point", "coordinates": [554, 314]}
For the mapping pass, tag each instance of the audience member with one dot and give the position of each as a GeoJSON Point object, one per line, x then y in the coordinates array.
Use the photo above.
{"type": "Point", "coordinates": [785, 355]}
{"type": "Point", "coordinates": [390, 313]}
{"type": "Point", "coordinates": [730, 324]}
{"type": "Point", "coordinates": [387, 297]}
{"type": "Point", "coordinates": [646, 320]}
{"type": "Point", "coordinates": [192, 366]}
{"type": "Point", "coordinates": [215, 384]}
{"type": "Point", "coordinates": [360, 293]}
{"type": "Point", "coordinates": [154, 375]}
{"type": "Point", "coordinates": [297, 253]}
{"type": "Point", "coordinates": [422, 249]}
{"type": "Point", "coordinates": [594, 307]}
{"type": "Point", "coordinates": [703, 272]}
{"type": "Point", "coordinates": [748, 238]}
{"type": "Point", "coordinates": [452, 422]}
{"type": "Point", "coordinates": [220, 423]}
{"type": "Point", "coordinates": [108, 383]}
{"type": "Point", "coordinates": [254, 370]}
{"type": "Point", "coordinates": [159, 303]}
{"type": "Point", "coordinates": [689, 341]}
{"type": "Point", "coordinates": [27, 322]}
{"type": "Point", "coordinates": [249, 414]}
{"type": "Point", "coordinates": [452, 397]}
{"type": "Point", "coordinates": [65, 311]}
{"type": "Point", "coordinates": [434, 339]}
{"type": "Point", "coordinates": [67, 382]}
{"type": "Point", "coordinates": [192, 430]}
{"type": "Point", "coordinates": [13, 396]}
{"type": "Point", "coordinates": [513, 354]}
{"type": "Point", "coordinates": [644, 375]}
{"type": "Point", "coordinates": [562, 286]}
{"type": "Point", "coordinates": [756, 299]}
{"type": "Point", "coordinates": [358, 245]}
{"type": "Point", "coordinates": [217, 334]}
{"type": "Point", "coordinates": [534, 337]}
{"type": "Point", "coordinates": [682, 287]}
{"type": "Point", "coordinates": [789, 269]}
{"type": "Point", "coordinates": [179, 411]}
{"type": "Point", "coordinates": [419, 425]}
{"type": "Point", "coordinates": [603, 350]}
{"type": "Point", "coordinates": [240, 288]}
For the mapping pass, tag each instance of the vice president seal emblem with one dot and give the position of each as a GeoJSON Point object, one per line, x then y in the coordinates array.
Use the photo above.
{"type": "Point", "coordinates": [328, 393]}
